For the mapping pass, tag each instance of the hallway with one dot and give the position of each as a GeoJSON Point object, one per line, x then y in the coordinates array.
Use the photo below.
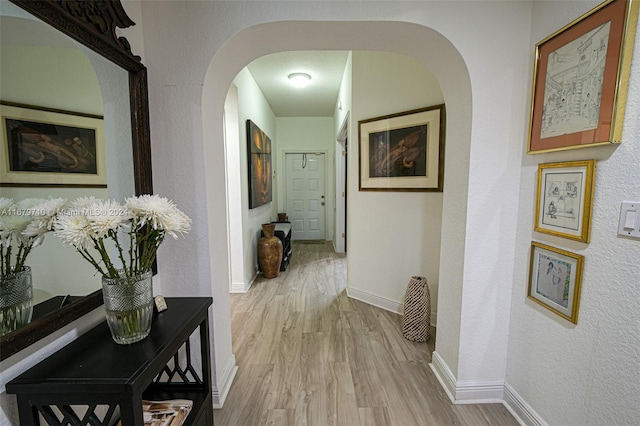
{"type": "Point", "coordinates": [309, 355]}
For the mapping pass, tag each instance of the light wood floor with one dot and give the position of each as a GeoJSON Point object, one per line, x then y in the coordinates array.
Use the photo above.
{"type": "Point", "coordinates": [309, 355]}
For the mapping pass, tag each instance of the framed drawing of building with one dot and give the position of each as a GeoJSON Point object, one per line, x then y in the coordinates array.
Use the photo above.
{"type": "Point", "coordinates": [580, 80]}
{"type": "Point", "coordinates": [564, 199]}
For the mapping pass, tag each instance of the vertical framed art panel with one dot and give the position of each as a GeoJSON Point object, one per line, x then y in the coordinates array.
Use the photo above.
{"type": "Point", "coordinates": [565, 198]}
{"type": "Point", "coordinates": [555, 277]}
{"type": "Point", "coordinates": [259, 158]}
{"type": "Point", "coordinates": [580, 80]}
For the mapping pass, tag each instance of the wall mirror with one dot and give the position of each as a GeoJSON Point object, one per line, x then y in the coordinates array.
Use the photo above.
{"type": "Point", "coordinates": [114, 86]}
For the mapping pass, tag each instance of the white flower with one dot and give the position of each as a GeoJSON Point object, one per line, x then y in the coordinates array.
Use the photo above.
{"type": "Point", "coordinates": [5, 204]}
{"type": "Point", "coordinates": [159, 213]}
{"type": "Point", "coordinates": [82, 202]}
{"type": "Point", "coordinates": [43, 216]}
{"type": "Point", "coordinates": [72, 228]}
{"type": "Point", "coordinates": [105, 216]}
{"type": "Point", "coordinates": [15, 224]}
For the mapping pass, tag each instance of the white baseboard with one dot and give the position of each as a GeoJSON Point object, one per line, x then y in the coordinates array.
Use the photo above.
{"type": "Point", "coordinates": [465, 392]}
{"type": "Point", "coordinates": [518, 407]}
{"type": "Point", "coordinates": [372, 299]}
{"type": "Point", "coordinates": [219, 393]}
{"type": "Point", "coordinates": [239, 287]}
{"type": "Point", "coordinates": [479, 392]}
{"type": "Point", "coordinates": [444, 375]}
{"type": "Point", "coordinates": [242, 287]}
{"type": "Point", "coordinates": [394, 306]}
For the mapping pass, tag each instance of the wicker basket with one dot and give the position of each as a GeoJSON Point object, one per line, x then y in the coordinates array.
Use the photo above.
{"type": "Point", "coordinates": [417, 311]}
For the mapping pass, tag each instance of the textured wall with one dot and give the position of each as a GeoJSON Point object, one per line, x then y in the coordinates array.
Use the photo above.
{"type": "Point", "coordinates": [584, 374]}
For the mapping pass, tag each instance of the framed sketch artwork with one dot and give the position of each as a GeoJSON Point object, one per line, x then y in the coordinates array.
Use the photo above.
{"type": "Point", "coordinates": [44, 147]}
{"type": "Point", "coordinates": [403, 151]}
{"type": "Point", "coordinates": [555, 277]}
{"type": "Point", "coordinates": [565, 198]}
{"type": "Point", "coordinates": [580, 80]}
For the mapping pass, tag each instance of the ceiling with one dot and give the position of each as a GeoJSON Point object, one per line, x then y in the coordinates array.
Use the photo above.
{"type": "Point", "coordinates": [318, 98]}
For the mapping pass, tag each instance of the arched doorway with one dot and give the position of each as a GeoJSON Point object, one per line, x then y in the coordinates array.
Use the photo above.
{"type": "Point", "coordinates": [426, 46]}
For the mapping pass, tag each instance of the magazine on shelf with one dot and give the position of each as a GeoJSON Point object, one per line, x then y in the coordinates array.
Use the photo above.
{"type": "Point", "coordinates": [165, 413]}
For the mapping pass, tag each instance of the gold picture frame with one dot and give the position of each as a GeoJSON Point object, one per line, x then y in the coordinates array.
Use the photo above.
{"type": "Point", "coordinates": [580, 80]}
{"type": "Point", "coordinates": [564, 199]}
{"type": "Point", "coordinates": [48, 147]}
{"type": "Point", "coordinates": [403, 151]}
{"type": "Point", "coordinates": [555, 280]}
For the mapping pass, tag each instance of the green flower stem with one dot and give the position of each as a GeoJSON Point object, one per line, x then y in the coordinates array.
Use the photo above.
{"type": "Point", "coordinates": [91, 260]}
{"type": "Point", "coordinates": [99, 245]}
{"type": "Point", "coordinates": [132, 250]}
{"type": "Point", "coordinates": [6, 260]}
{"type": "Point", "coordinates": [114, 236]}
{"type": "Point", "coordinates": [20, 257]}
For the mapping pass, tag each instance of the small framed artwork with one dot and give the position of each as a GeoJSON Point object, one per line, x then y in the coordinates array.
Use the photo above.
{"type": "Point", "coordinates": [580, 80]}
{"type": "Point", "coordinates": [555, 277]}
{"type": "Point", "coordinates": [42, 147]}
{"type": "Point", "coordinates": [565, 198]}
{"type": "Point", "coordinates": [259, 156]}
{"type": "Point", "coordinates": [404, 151]}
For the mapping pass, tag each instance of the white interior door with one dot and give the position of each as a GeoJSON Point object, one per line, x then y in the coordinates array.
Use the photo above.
{"type": "Point", "coordinates": [305, 177]}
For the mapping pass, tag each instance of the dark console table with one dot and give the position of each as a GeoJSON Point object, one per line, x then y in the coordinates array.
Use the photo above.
{"type": "Point", "coordinates": [283, 232]}
{"type": "Point", "coordinates": [94, 381]}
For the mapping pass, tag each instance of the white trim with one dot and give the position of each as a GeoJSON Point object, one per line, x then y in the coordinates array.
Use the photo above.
{"type": "Point", "coordinates": [240, 287]}
{"type": "Point", "coordinates": [384, 303]}
{"type": "Point", "coordinates": [479, 392]}
{"type": "Point", "coordinates": [372, 299]}
{"type": "Point", "coordinates": [469, 392]}
{"type": "Point", "coordinates": [518, 407]}
{"type": "Point", "coordinates": [444, 375]}
{"type": "Point", "coordinates": [219, 394]}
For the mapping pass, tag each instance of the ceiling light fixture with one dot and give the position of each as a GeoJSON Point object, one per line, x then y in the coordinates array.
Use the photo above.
{"type": "Point", "coordinates": [299, 79]}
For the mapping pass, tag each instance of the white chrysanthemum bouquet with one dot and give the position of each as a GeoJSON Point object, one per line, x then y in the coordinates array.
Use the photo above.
{"type": "Point", "coordinates": [22, 228]}
{"type": "Point", "coordinates": [120, 240]}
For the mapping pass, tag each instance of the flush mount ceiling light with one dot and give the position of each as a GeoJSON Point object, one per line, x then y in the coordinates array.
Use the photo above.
{"type": "Point", "coordinates": [299, 79]}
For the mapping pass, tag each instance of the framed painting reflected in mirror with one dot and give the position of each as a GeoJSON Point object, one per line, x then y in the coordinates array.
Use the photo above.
{"type": "Point", "coordinates": [51, 147]}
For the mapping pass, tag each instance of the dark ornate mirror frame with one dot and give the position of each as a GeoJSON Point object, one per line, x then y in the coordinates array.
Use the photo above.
{"type": "Point", "coordinates": [92, 23]}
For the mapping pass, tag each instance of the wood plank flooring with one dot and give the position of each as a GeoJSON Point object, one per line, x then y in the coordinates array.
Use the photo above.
{"type": "Point", "coordinates": [308, 355]}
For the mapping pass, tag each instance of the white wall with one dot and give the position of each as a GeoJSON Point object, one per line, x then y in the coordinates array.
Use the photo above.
{"type": "Point", "coordinates": [585, 373]}
{"type": "Point", "coordinates": [342, 118]}
{"type": "Point", "coordinates": [234, 192]}
{"type": "Point", "coordinates": [253, 106]}
{"type": "Point", "coordinates": [393, 235]}
{"type": "Point", "coordinates": [306, 134]}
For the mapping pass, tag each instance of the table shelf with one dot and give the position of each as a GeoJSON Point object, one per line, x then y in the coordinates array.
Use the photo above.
{"type": "Point", "coordinates": [93, 374]}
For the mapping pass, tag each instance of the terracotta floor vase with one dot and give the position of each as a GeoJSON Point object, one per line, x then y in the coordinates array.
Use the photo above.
{"type": "Point", "coordinates": [269, 251]}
